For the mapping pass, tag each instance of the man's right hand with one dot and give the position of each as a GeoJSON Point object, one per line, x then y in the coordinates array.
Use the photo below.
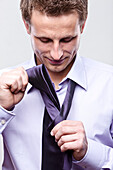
{"type": "Point", "coordinates": [12, 87]}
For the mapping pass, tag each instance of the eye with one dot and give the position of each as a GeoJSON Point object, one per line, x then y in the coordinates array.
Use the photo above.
{"type": "Point", "coordinates": [45, 40]}
{"type": "Point", "coordinates": [67, 39]}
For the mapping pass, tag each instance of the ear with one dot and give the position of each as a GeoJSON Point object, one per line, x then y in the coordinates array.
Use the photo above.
{"type": "Point", "coordinates": [82, 26]}
{"type": "Point", "coordinates": [27, 25]}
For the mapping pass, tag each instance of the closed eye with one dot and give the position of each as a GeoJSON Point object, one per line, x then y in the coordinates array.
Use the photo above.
{"type": "Point", "coordinates": [44, 40]}
{"type": "Point", "coordinates": [67, 39]}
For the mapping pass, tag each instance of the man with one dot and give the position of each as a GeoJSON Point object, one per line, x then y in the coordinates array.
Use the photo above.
{"type": "Point", "coordinates": [55, 29]}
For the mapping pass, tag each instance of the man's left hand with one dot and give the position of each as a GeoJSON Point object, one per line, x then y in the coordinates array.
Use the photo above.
{"type": "Point", "coordinates": [70, 135]}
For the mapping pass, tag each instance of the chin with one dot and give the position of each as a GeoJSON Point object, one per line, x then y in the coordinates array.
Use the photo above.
{"type": "Point", "coordinates": [57, 70]}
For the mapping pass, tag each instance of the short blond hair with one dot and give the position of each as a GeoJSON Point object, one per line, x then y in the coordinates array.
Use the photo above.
{"type": "Point", "coordinates": [54, 8]}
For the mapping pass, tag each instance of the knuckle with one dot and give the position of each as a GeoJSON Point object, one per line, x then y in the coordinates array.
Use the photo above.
{"type": "Point", "coordinates": [65, 146]}
{"type": "Point", "coordinates": [56, 136]}
{"type": "Point", "coordinates": [80, 123]}
{"type": "Point", "coordinates": [80, 145]}
{"type": "Point", "coordinates": [19, 77]}
{"type": "Point", "coordinates": [24, 75]}
{"type": "Point", "coordinates": [81, 135]}
{"type": "Point", "coordinates": [24, 84]}
{"type": "Point", "coordinates": [14, 82]}
{"type": "Point", "coordinates": [63, 129]}
{"type": "Point", "coordinates": [81, 127]}
{"type": "Point", "coordinates": [62, 139]}
{"type": "Point", "coordinates": [20, 70]}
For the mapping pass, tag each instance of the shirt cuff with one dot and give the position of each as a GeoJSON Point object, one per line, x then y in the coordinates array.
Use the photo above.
{"type": "Point", "coordinates": [94, 157]}
{"type": "Point", "coordinates": [5, 117]}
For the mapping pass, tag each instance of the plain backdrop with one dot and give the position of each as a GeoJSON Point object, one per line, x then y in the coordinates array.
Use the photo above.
{"type": "Point", "coordinates": [96, 41]}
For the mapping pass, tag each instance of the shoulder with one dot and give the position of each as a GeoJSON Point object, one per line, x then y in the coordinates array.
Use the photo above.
{"type": "Point", "coordinates": [98, 73]}
{"type": "Point", "coordinates": [97, 69]}
{"type": "Point", "coordinates": [92, 64]}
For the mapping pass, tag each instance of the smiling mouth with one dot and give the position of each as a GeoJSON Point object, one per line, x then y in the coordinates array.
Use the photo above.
{"type": "Point", "coordinates": [55, 62]}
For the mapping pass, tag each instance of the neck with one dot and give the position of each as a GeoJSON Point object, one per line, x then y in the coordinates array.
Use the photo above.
{"type": "Point", "coordinates": [57, 77]}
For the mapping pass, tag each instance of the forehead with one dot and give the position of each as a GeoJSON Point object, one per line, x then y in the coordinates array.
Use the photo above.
{"type": "Point", "coordinates": [49, 25]}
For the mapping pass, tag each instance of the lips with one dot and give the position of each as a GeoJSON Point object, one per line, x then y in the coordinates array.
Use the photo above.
{"type": "Point", "coordinates": [55, 62]}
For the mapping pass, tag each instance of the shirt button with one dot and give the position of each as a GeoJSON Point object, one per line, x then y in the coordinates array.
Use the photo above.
{"type": "Point", "coordinates": [3, 121]}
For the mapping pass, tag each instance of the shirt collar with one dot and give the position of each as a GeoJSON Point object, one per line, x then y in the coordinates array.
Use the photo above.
{"type": "Point", "coordinates": [77, 73]}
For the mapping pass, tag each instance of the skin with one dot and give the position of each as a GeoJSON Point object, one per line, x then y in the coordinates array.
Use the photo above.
{"type": "Point", "coordinates": [55, 41]}
{"type": "Point", "coordinates": [56, 45]}
{"type": "Point", "coordinates": [70, 135]}
{"type": "Point", "coordinates": [12, 87]}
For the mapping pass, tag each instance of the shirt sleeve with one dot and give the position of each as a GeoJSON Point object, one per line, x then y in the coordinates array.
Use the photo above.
{"type": "Point", "coordinates": [5, 117]}
{"type": "Point", "coordinates": [98, 157]}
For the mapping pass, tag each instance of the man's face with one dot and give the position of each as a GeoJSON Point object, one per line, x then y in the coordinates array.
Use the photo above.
{"type": "Point", "coordinates": [55, 40]}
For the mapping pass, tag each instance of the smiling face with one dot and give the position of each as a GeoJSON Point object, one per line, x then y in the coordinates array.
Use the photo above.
{"type": "Point", "coordinates": [55, 40]}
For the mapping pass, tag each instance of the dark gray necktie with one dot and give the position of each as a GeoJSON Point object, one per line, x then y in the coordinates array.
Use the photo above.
{"type": "Point", "coordinates": [52, 157]}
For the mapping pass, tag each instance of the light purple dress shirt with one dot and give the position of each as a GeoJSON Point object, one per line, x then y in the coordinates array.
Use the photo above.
{"type": "Point", "coordinates": [92, 104]}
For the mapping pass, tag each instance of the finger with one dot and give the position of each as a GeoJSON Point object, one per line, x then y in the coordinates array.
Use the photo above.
{"type": "Point", "coordinates": [18, 97]}
{"type": "Point", "coordinates": [65, 130]}
{"type": "Point", "coordinates": [70, 129]}
{"type": "Point", "coordinates": [64, 123]}
{"type": "Point", "coordinates": [24, 80]}
{"type": "Point", "coordinates": [79, 148]}
{"type": "Point", "coordinates": [76, 145]}
{"type": "Point", "coordinates": [20, 80]}
{"type": "Point", "coordinates": [14, 86]}
{"type": "Point", "coordinates": [67, 138]}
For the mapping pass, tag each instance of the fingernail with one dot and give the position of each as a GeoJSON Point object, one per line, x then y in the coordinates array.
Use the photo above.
{"type": "Point", "coordinates": [51, 133]}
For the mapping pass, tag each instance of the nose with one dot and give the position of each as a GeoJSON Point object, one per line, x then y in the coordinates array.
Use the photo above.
{"type": "Point", "coordinates": [56, 51]}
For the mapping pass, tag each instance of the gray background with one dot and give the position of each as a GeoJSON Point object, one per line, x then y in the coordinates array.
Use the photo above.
{"type": "Point", "coordinates": [96, 41]}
